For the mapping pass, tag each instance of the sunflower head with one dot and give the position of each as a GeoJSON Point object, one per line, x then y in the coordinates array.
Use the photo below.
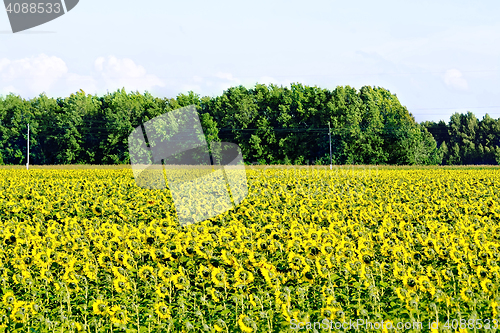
{"type": "Point", "coordinates": [162, 310]}
{"type": "Point", "coordinates": [100, 307]}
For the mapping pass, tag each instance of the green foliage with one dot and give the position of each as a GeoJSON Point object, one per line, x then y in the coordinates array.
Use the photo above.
{"type": "Point", "coordinates": [271, 124]}
{"type": "Point", "coordinates": [466, 139]}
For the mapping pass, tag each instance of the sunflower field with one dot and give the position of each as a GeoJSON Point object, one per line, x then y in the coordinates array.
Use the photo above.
{"type": "Point", "coordinates": [88, 250]}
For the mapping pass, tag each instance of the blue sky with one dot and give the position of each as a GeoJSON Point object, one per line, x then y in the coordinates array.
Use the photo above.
{"type": "Point", "coordinates": [438, 57]}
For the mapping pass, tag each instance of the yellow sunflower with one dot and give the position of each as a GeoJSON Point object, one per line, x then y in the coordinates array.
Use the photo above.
{"type": "Point", "coordinates": [162, 310]}
{"type": "Point", "coordinates": [244, 323]}
{"type": "Point", "coordinates": [100, 307]}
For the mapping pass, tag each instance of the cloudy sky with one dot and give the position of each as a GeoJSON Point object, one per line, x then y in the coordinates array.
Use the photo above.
{"type": "Point", "coordinates": [437, 56]}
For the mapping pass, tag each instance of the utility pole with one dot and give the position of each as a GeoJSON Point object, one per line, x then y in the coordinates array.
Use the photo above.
{"type": "Point", "coordinates": [330, 139]}
{"type": "Point", "coordinates": [28, 154]}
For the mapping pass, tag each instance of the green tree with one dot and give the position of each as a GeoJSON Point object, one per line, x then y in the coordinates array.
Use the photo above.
{"type": "Point", "coordinates": [372, 126]}
{"type": "Point", "coordinates": [400, 129]}
{"type": "Point", "coordinates": [44, 137]}
{"type": "Point", "coordinates": [74, 139]}
{"type": "Point", "coordinates": [443, 153]}
{"type": "Point", "coordinates": [462, 130]}
{"type": "Point", "coordinates": [15, 114]}
{"type": "Point", "coordinates": [123, 113]}
{"type": "Point", "coordinates": [438, 130]}
{"type": "Point", "coordinates": [346, 125]}
{"type": "Point", "coordinates": [488, 139]}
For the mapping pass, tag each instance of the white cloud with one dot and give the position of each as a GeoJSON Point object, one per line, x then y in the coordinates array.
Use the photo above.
{"type": "Point", "coordinates": [267, 80]}
{"type": "Point", "coordinates": [453, 78]}
{"type": "Point", "coordinates": [99, 62]}
{"type": "Point", "coordinates": [4, 62]}
{"type": "Point", "coordinates": [29, 77]}
{"type": "Point", "coordinates": [32, 75]}
{"type": "Point", "coordinates": [118, 73]}
{"type": "Point", "coordinates": [228, 77]}
{"type": "Point", "coordinates": [9, 89]}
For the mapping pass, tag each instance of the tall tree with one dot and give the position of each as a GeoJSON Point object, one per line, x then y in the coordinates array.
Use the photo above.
{"type": "Point", "coordinates": [74, 130]}
{"type": "Point", "coordinates": [462, 130]}
{"type": "Point", "coordinates": [44, 138]}
{"type": "Point", "coordinates": [15, 114]}
{"type": "Point", "coordinates": [372, 127]}
{"type": "Point", "coordinates": [488, 139]}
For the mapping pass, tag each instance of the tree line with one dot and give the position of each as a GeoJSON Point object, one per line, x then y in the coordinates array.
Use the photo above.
{"type": "Point", "coordinates": [272, 125]}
